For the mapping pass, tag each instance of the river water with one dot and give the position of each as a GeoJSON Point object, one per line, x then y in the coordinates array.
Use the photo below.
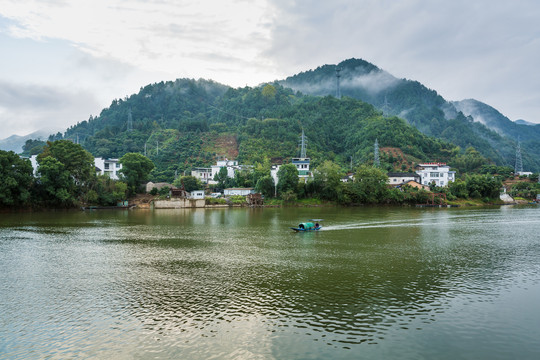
{"type": "Point", "coordinates": [374, 283]}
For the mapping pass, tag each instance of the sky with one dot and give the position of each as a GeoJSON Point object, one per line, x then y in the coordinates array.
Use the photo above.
{"type": "Point", "coordinates": [64, 60]}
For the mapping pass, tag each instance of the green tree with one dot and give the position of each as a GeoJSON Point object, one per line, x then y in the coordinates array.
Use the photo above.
{"type": "Point", "coordinates": [15, 179]}
{"type": "Point", "coordinates": [287, 178]}
{"type": "Point", "coordinates": [190, 183]}
{"type": "Point", "coordinates": [33, 147]}
{"type": "Point", "coordinates": [328, 178]}
{"type": "Point", "coordinates": [458, 188]}
{"type": "Point", "coordinates": [369, 185]}
{"type": "Point", "coordinates": [135, 170]}
{"type": "Point", "coordinates": [106, 191]}
{"type": "Point", "coordinates": [471, 161]}
{"type": "Point", "coordinates": [269, 92]}
{"type": "Point", "coordinates": [261, 170]}
{"type": "Point", "coordinates": [265, 185]}
{"type": "Point", "coordinates": [55, 183]}
{"type": "Point", "coordinates": [221, 178]}
{"type": "Point", "coordinates": [77, 161]}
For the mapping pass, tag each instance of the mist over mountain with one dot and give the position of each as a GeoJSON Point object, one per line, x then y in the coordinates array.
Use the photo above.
{"type": "Point", "coordinates": [465, 123]}
{"type": "Point", "coordinates": [524, 122]}
{"type": "Point", "coordinates": [188, 123]}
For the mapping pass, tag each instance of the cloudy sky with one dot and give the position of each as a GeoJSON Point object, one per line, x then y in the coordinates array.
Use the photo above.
{"type": "Point", "coordinates": [64, 60]}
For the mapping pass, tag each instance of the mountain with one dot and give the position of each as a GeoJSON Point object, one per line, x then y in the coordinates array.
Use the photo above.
{"type": "Point", "coordinates": [467, 123]}
{"type": "Point", "coordinates": [524, 122]}
{"type": "Point", "coordinates": [496, 121]}
{"type": "Point", "coordinates": [15, 142]}
{"type": "Point", "coordinates": [190, 123]}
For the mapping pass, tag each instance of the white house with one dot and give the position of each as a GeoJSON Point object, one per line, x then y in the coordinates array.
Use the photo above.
{"type": "Point", "coordinates": [273, 173]}
{"type": "Point", "coordinates": [302, 165]}
{"type": "Point", "coordinates": [239, 191]}
{"type": "Point", "coordinates": [33, 161]}
{"type": "Point", "coordinates": [401, 178]}
{"type": "Point", "coordinates": [203, 174]}
{"type": "Point", "coordinates": [197, 194]}
{"type": "Point", "coordinates": [109, 167]}
{"type": "Point", "coordinates": [229, 164]}
{"type": "Point", "coordinates": [435, 173]}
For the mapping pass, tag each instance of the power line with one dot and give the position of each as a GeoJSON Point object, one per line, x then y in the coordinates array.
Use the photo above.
{"type": "Point", "coordinates": [228, 113]}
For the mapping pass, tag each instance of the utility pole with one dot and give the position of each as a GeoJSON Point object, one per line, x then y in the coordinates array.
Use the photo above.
{"type": "Point", "coordinates": [144, 149]}
{"type": "Point", "coordinates": [303, 145]}
{"type": "Point", "coordinates": [338, 90]}
{"type": "Point", "coordinates": [519, 163]}
{"type": "Point", "coordinates": [157, 148]}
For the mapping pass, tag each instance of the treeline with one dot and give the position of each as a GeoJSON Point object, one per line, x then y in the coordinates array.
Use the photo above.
{"type": "Point", "coordinates": [422, 107]}
{"type": "Point", "coordinates": [66, 177]}
{"type": "Point", "coordinates": [179, 125]}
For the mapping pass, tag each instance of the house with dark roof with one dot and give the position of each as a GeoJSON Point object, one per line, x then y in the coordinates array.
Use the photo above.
{"type": "Point", "coordinates": [397, 178]}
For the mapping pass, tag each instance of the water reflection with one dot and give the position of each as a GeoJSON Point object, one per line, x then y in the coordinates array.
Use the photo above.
{"type": "Point", "coordinates": [234, 283]}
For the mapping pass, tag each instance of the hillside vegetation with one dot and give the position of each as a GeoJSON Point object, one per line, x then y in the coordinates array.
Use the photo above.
{"type": "Point", "coordinates": [466, 124]}
{"type": "Point", "coordinates": [190, 123]}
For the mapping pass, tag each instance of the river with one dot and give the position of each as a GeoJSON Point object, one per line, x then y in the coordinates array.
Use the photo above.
{"type": "Point", "coordinates": [374, 283]}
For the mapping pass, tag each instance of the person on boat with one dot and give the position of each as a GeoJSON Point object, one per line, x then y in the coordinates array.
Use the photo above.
{"type": "Point", "coordinates": [301, 226]}
{"type": "Point", "coordinates": [316, 225]}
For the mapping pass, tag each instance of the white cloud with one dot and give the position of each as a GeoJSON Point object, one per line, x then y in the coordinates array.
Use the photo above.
{"type": "Point", "coordinates": [110, 48]}
{"type": "Point", "coordinates": [482, 49]}
{"type": "Point", "coordinates": [179, 38]}
{"type": "Point", "coordinates": [27, 108]}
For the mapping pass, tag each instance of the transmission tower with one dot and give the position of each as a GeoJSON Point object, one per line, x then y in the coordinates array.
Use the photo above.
{"type": "Point", "coordinates": [376, 160]}
{"type": "Point", "coordinates": [130, 121]}
{"type": "Point", "coordinates": [303, 145]}
{"type": "Point", "coordinates": [385, 109]}
{"type": "Point", "coordinates": [519, 163]}
{"type": "Point", "coordinates": [338, 75]}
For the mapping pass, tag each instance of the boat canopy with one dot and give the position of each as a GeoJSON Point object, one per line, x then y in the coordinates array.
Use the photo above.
{"type": "Point", "coordinates": [306, 225]}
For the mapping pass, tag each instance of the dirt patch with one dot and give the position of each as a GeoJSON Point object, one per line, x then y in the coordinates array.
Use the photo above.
{"type": "Point", "coordinates": [142, 201]}
{"type": "Point", "coordinates": [226, 145]}
{"type": "Point", "coordinates": [399, 157]}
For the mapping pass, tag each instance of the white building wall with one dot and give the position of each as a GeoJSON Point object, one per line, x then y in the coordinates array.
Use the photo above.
{"type": "Point", "coordinates": [239, 191]}
{"type": "Point", "coordinates": [439, 174]}
{"type": "Point", "coordinates": [110, 167]}
{"type": "Point", "coordinates": [197, 194]}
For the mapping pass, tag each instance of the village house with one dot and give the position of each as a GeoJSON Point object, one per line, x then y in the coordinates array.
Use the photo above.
{"type": "Point", "coordinates": [438, 174]}
{"type": "Point", "coordinates": [413, 184]}
{"type": "Point", "coordinates": [197, 194]}
{"type": "Point", "coordinates": [206, 175]}
{"type": "Point", "coordinates": [238, 191]}
{"type": "Point", "coordinates": [109, 167]}
{"type": "Point", "coordinates": [396, 178]}
{"type": "Point", "coordinates": [203, 174]}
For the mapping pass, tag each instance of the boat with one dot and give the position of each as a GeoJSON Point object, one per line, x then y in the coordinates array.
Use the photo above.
{"type": "Point", "coordinates": [310, 225]}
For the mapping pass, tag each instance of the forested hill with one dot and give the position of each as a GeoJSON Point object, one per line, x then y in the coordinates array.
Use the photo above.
{"type": "Point", "coordinates": [424, 109]}
{"type": "Point", "coordinates": [188, 123]}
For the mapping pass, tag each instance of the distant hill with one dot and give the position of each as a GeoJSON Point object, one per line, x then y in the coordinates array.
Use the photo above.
{"type": "Point", "coordinates": [16, 142]}
{"type": "Point", "coordinates": [524, 122]}
{"type": "Point", "coordinates": [466, 123]}
{"type": "Point", "coordinates": [190, 123]}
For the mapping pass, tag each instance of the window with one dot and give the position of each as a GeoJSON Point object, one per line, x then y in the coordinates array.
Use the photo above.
{"type": "Point", "coordinates": [118, 165]}
{"type": "Point", "coordinates": [434, 174]}
{"type": "Point", "coordinates": [107, 166]}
